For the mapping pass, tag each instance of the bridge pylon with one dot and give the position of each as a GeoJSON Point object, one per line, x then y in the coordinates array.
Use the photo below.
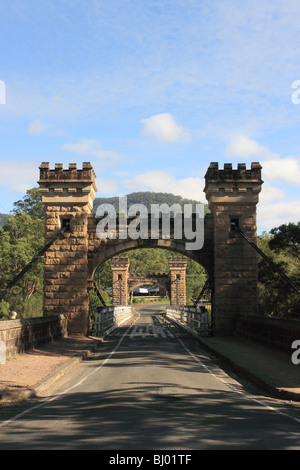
{"type": "Point", "coordinates": [232, 196]}
{"type": "Point", "coordinates": [68, 195]}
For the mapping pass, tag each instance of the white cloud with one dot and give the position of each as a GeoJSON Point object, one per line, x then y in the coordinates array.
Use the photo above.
{"type": "Point", "coordinates": [37, 127]}
{"type": "Point", "coordinates": [270, 193]}
{"type": "Point", "coordinates": [164, 129]}
{"type": "Point", "coordinates": [160, 181]}
{"type": "Point", "coordinates": [282, 169]}
{"type": "Point", "coordinates": [18, 175]}
{"type": "Point", "coordinates": [277, 203]}
{"type": "Point", "coordinates": [243, 146]}
{"type": "Point", "coordinates": [92, 148]}
{"type": "Point", "coordinates": [278, 213]}
{"type": "Point", "coordinates": [106, 187]}
{"type": "Point", "coordinates": [153, 180]}
{"type": "Point", "coordinates": [274, 167]}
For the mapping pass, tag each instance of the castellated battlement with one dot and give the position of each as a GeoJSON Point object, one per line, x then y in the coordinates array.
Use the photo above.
{"type": "Point", "coordinates": [221, 185]}
{"type": "Point", "coordinates": [228, 173]}
{"type": "Point", "coordinates": [72, 173]}
{"type": "Point", "coordinates": [60, 186]}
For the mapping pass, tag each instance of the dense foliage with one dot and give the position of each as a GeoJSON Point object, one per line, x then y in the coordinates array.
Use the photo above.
{"type": "Point", "coordinates": [276, 297]}
{"type": "Point", "coordinates": [21, 237]}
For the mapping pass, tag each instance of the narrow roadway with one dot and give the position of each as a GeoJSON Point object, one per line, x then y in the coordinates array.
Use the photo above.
{"type": "Point", "coordinates": [150, 386]}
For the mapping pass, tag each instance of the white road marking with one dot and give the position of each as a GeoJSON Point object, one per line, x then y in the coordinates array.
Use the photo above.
{"type": "Point", "coordinates": [148, 331]}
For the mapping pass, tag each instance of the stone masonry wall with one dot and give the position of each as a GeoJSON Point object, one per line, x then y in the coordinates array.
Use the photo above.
{"type": "Point", "coordinates": [177, 267]}
{"type": "Point", "coordinates": [22, 335]}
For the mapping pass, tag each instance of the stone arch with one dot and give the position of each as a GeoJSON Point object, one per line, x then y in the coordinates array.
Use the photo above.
{"type": "Point", "coordinates": [154, 283]}
{"type": "Point", "coordinates": [149, 280]}
{"type": "Point", "coordinates": [98, 255]}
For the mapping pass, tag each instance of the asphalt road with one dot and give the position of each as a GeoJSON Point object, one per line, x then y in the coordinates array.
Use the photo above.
{"type": "Point", "coordinates": [150, 386]}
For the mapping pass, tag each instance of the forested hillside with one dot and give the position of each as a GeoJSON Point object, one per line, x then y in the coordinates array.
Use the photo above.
{"type": "Point", "coordinates": [147, 198]}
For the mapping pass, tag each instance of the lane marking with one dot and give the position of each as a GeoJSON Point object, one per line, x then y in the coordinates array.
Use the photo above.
{"type": "Point", "coordinates": [144, 331]}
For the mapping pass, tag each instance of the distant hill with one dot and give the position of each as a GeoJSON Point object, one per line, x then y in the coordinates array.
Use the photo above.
{"type": "Point", "coordinates": [147, 198]}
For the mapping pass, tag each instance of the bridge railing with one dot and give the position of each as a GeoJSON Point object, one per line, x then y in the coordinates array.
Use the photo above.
{"type": "Point", "coordinates": [194, 319]}
{"type": "Point", "coordinates": [109, 318]}
{"type": "Point", "coordinates": [274, 332]}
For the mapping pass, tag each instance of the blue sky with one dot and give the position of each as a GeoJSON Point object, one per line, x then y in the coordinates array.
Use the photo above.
{"type": "Point", "coordinates": [150, 92]}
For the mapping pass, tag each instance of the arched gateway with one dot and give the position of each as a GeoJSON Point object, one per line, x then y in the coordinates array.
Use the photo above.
{"type": "Point", "coordinates": [70, 263]}
{"type": "Point", "coordinates": [124, 283]}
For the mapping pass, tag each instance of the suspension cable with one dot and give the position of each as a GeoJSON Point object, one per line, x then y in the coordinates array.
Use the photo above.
{"type": "Point", "coordinates": [201, 293]}
{"type": "Point", "coordinates": [31, 263]}
{"type": "Point", "coordinates": [276, 268]}
{"type": "Point", "coordinates": [99, 294]}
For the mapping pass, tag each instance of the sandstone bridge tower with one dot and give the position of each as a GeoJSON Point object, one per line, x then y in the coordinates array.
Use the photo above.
{"type": "Point", "coordinates": [68, 195]}
{"type": "Point", "coordinates": [232, 196]}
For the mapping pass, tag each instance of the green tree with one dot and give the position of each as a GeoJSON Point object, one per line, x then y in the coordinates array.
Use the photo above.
{"type": "Point", "coordinates": [21, 237]}
{"type": "Point", "coordinates": [148, 261]}
{"type": "Point", "coordinates": [4, 309]}
{"type": "Point", "coordinates": [195, 279]}
{"type": "Point", "coordinates": [286, 238]}
{"type": "Point", "coordinates": [276, 297]}
{"type": "Point", "coordinates": [31, 204]}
